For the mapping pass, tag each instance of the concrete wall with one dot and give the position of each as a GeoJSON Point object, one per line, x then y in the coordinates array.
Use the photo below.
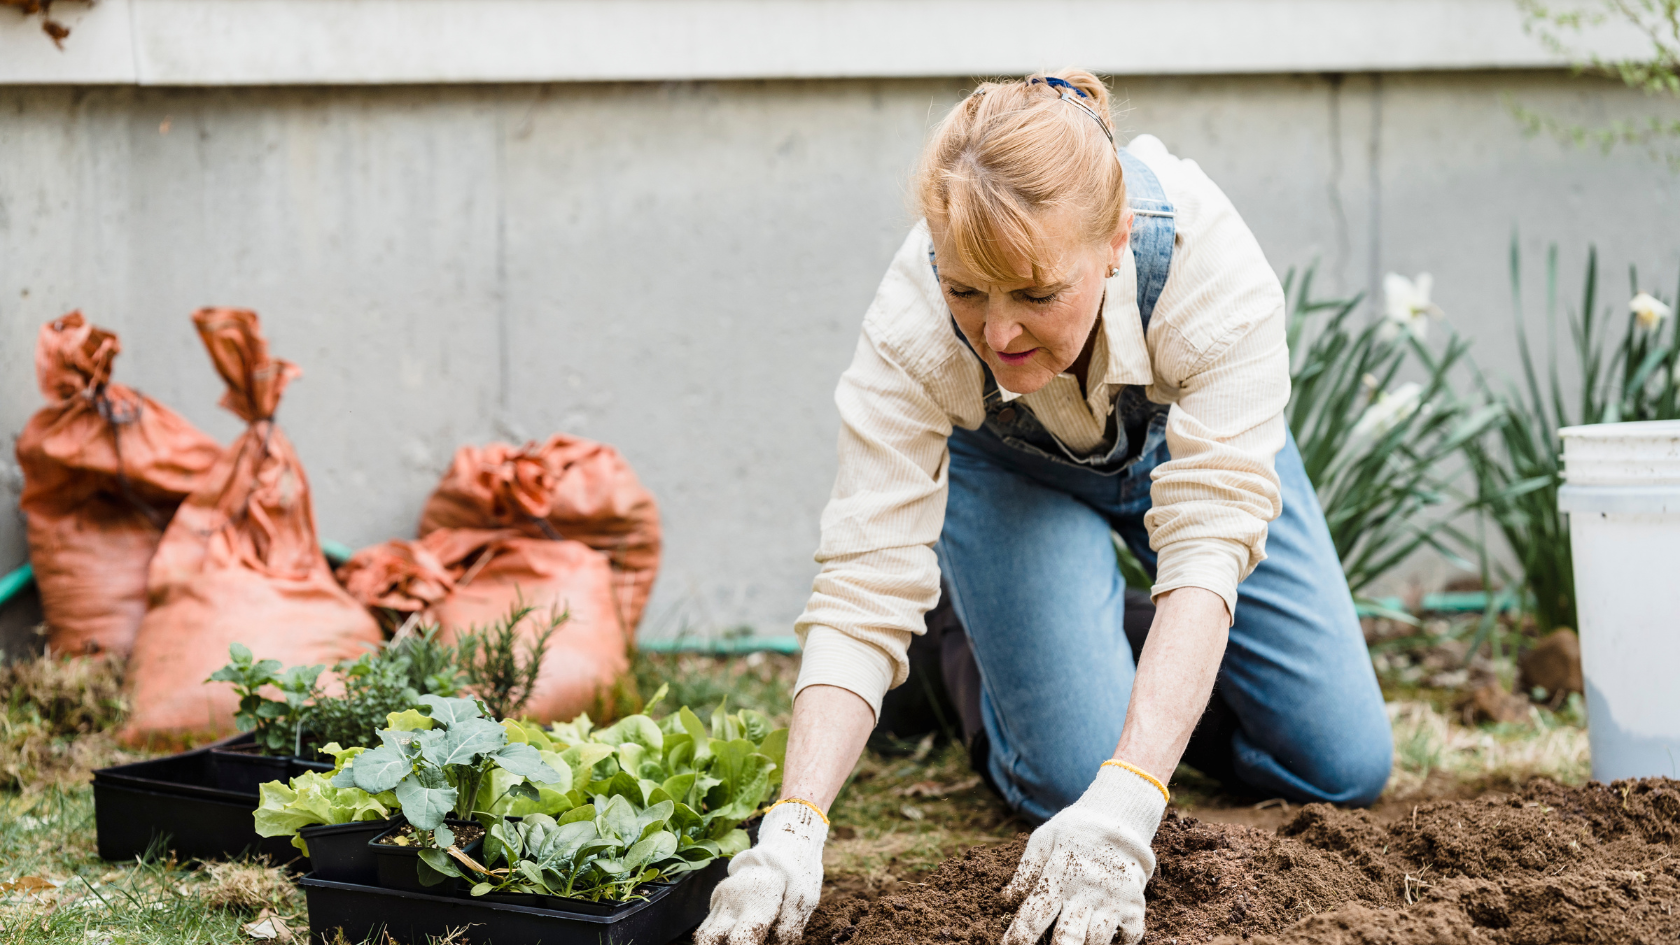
{"type": "Point", "coordinates": [680, 268]}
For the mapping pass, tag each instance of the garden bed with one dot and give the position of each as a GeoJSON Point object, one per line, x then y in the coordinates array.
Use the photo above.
{"type": "Point", "coordinates": [1545, 864]}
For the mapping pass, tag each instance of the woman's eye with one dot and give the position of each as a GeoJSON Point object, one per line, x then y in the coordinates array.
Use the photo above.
{"type": "Point", "coordinates": [1042, 299]}
{"type": "Point", "coordinates": [962, 293]}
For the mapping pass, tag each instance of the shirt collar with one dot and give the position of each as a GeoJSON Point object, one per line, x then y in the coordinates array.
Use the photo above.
{"type": "Point", "coordinates": [1121, 353]}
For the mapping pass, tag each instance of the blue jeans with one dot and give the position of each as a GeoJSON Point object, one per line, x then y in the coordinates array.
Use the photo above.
{"type": "Point", "coordinates": [1027, 557]}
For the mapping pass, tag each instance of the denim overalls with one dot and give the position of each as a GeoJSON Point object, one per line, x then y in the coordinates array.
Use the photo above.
{"type": "Point", "coordinates": [1027, 559]}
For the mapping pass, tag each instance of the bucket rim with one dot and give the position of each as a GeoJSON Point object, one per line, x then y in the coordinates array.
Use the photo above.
{"type": "Point", "coordinates": [1626, 430]}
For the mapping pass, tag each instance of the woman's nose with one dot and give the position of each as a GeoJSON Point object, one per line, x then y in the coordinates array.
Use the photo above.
{"type": "Point", "coordinates": [1001, 330]}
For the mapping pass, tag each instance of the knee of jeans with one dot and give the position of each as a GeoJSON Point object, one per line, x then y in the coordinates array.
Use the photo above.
{"type": "Point", "coordinates": [1041, 783]}
{"type": "Point", "coordinates": [1356, 769]}
{"type": "Point", "coordinates": [1344, 767]}
{"type": "Point", "coordinates": [1359, 771]}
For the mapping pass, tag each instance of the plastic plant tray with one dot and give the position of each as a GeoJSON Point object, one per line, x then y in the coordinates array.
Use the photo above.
{"type": "Point", "coordinates": [366, 913]}
{"type": "Point", "coordinates": [173, 804]}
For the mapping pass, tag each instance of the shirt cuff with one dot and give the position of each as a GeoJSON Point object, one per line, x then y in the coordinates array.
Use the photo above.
{"type": "Point", "coordinates": [832, 658]}
{"type": "Point", "coordinates": [1214, 564]}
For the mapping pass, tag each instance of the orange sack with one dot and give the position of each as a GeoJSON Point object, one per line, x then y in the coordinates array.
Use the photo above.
{"type": "Point", "coordinates": [461, 578]}
{"type": "Point", "coordinates": [104, 467]}
{"type": "Point", "coordinates": [241, 561]}
{"type": "Point", "coordinates": [569, 488]}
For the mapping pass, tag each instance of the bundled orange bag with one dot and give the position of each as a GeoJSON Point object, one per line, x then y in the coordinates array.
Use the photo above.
{"type": "Point", "coordinates": [462, 578]}
{"type": "Point", "coordinates": [240, 562]}
{"type": "Point", "coordinates": [568, 488]}
{"type": "Point", "coordinates": [104, 467]}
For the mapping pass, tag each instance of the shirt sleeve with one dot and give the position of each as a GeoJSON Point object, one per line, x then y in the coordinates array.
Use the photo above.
{"type": "Point", "coordinates": [1222, 352]}
{"type": "Point", "coordinates": [879, 573]}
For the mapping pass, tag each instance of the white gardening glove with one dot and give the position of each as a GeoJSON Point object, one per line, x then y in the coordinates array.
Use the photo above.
{"type": "Point", "coordinates": [1088, 865]}
{"type": "Point", "coordinates": [776, 882]}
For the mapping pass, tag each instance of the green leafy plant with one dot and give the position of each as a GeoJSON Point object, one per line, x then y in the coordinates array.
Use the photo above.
{"type": "Point", "coordinates": [278, 724]}
{"type": "Point", "coordinates": [311, 799]}
{"type": "Point", "coordinates": [435, 765]}
{"type": "Point", "coordinates": [1374, 450]}
{"type": "Point", "coordinates": [604, 850]}
{"type": "Point", "coordinates": [499, 667]}
{"type": "Point", "coordinates": [1518, 468]}
{"type": "Point", "coordinates": [432, 666]}
{"type": "Point", "coordinates": [378, 684]}
{"type": "Point", "coordinates": [721, 773]}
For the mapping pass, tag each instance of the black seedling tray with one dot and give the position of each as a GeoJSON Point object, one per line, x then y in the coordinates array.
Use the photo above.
{"type": "Point", "coordinates": [339, 852]}
{"type": "Point", "coordinates": [175, 803]}
{"type": "Point", "coordinates": [365, 912]}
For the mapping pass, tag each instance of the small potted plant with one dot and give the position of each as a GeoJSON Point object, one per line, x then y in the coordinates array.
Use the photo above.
{"type": "Point", "coordinates": [592, 860]}
{"type": "Point", "coordinates": [277, 725]}
{"type": "Point", "coordinates": [435, 765]}
{"type": "Point", "coordinates": [329, 824]}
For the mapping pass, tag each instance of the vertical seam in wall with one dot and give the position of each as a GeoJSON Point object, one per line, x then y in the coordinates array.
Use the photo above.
{"type": "Point", "coordinates": [134, 43]}
{"type": "Point", "coordinates": [504, 368]}
{"type": "Point", "coordinates": [1373, 275]}
{"type": "Point", "coordinates": [1344, 243]}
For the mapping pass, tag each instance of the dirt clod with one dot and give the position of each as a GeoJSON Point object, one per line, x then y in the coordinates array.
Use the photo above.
{"type": "Point", "coordinates": [1548, 864]}
{"type": "Point", "coordinates": [1553, 665]}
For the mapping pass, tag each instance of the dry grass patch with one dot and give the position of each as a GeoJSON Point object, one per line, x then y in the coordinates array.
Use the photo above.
{"type": "Point", "coordinates": [249, 886]}
{"type": "Point", "coordinates": [1434, 754]}
{"type": "Point", "coordinates": [59, 716]}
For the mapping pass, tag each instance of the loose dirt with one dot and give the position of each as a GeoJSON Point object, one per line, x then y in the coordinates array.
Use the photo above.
{"type": "Point", "coordinates": [1547, 864]}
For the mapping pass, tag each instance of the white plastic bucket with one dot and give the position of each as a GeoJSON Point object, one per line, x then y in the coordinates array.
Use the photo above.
{"type": "Point", "coordinates": [1623, 500]}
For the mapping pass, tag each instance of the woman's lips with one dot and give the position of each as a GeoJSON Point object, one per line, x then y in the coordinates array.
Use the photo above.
{"type": "Point", "coordinates": [1008, 357]}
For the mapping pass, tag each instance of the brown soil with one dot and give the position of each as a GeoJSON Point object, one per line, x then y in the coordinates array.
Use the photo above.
{"type": "Point", "coordinates": [1546, 864]}
{"type": "Point", "coordinates": [465, 835]}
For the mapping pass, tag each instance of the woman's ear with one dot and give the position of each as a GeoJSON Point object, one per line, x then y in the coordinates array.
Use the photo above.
{"type": "Point", "coordinates": [1118, 244]}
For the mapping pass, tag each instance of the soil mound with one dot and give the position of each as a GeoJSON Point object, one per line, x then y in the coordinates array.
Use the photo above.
{"type": "Point", "coordinates": [1547, 864]}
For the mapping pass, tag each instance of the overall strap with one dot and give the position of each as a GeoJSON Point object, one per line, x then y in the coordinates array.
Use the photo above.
{"type": "Point", "coordinates": [1153, 231]}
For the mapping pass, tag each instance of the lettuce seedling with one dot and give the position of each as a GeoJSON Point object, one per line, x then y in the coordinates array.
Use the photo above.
{"type": "Point", "coordinates": [717, 776]}
{"type": "Point", "coordinates": [436, 772]}
{"type": "Point", "coordinates": [311, 799]}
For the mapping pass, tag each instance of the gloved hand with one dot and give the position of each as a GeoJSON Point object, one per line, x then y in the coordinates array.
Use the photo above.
{"type": "Point", "coordinates": [776, 882]}
{"type": "Point", "coordinates": [1088, 865]}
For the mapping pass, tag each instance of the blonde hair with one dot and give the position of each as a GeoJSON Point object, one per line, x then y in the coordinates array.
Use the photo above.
{"type": "Point", "coordinates": [1009, 153]}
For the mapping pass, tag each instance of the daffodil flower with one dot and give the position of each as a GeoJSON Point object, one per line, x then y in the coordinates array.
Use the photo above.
{"type": "Point", "coordinates": [1388, 410]}
{"type": "Point", "coordinates": [1648, 310]}
{"type": "Point", "coordinates": [1407, 305]}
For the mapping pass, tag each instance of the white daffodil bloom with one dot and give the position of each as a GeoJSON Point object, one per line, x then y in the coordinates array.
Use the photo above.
{"type": "Point", "coordinates": [1407, 305]}
{"type": "Point", "coordinates": [1648, 310]}
{"type": "Point", "coordinates": [1388, 410]}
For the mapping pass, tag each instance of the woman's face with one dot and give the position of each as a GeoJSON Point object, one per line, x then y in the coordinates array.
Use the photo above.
{"type": "Point", "coordinates": [1029, 332]}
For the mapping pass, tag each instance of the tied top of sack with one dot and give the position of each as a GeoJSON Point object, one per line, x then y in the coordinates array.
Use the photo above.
{"type": "Point", "coordinates": [74, 357]}
{"type": "Point", "coordinates": [255, 381]}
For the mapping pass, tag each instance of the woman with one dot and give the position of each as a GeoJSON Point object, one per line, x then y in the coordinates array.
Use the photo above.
{"type": "Point", "coordinates": [1071, 345]}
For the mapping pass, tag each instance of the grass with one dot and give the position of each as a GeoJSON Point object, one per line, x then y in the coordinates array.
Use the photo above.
{"type": "Point", "coordinates": [1433, 754]}
{"type": "Point", "coordinates": [58, 892]}
{"type": "Point", "coordinates": [896, 818]}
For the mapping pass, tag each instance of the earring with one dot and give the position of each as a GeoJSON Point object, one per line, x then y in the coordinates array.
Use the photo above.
{"type": "Point", "coordinates": [1113, 271]}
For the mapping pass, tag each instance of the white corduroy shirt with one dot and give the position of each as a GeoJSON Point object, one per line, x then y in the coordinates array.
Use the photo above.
{"type": "Point", "coordinates": [1215, 351]}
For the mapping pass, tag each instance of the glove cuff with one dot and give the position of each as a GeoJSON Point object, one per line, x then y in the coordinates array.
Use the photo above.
{"type": "Point", "coordinates": [1127, 797]}
{"type": "Point", "coordinates": [792, 825]}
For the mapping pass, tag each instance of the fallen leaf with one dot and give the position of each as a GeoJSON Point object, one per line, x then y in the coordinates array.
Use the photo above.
{"type": "Point", "coordinates": [911, 812]}
{"type": "Point", "coordinates": [269, 927]}
{"type": "Point", "coordinates": [29, 884]}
